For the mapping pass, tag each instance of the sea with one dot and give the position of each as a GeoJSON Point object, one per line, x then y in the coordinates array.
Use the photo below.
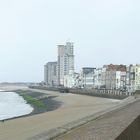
{"type": "Point", "coordinates": [12, 105]}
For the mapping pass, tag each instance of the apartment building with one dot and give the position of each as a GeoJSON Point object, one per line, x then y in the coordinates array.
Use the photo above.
{"type": "Point", "coordinates": [130, 77]}
{"type": "Point", "coordinates": [72, 80]}
{"type": "Point", "coordinates": [133, 77]}
{"type": "Point", "coordinates": [103, 77]}
{"type": "Point", "coordinates": [50, 73]}
{"type": "Point", "coordinates": [115, 76]}
{"type": "Point", "coordinates": [65, 61]}
{"type": "Point", "coordinates": [88, 77]}
{"type": "Point", "coordinates": [98, 78]}
{"type": "Point", "coordinates": [137, 76]}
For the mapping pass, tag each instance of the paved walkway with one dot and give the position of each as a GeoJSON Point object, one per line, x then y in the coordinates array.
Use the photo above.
{"type": "Point", "coordinates": [107, 127]}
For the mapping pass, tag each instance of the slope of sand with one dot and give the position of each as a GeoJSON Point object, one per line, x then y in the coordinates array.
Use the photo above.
{"type": "Point", "coordinates": [74, 107]}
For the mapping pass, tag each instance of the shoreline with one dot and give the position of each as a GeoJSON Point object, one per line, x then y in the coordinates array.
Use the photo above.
{"type": "Point", "coordinates": [50, 103]}
{"type": "Point", "coordinates": [73, 107]}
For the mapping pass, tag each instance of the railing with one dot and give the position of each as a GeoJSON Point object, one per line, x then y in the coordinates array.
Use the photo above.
{"type": "Point", "coordinates": [117, 94]}
{"type": "Point", "coordinates": [107, 93]}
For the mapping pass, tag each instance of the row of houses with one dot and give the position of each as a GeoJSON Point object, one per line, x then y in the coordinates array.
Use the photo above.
{"type": "Point", "coordinates": [111, 76]}
{"type": "Point", "coordinates": [62, 73]}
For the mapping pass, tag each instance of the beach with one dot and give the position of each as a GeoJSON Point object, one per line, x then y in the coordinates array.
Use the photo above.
{"type": "Point", "coordinates": [12, 105]}
{"type": "Point", "coordinates": [73, 107]}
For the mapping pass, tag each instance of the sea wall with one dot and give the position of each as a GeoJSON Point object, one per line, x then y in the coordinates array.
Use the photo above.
{"type": "Point", "coordinates": [114, 94]}
{"type": "Point", "coordinates": [132, 132]}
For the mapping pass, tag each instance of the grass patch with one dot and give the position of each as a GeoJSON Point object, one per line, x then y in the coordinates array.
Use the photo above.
{"type": "Point", "coordinates": [33, 101]}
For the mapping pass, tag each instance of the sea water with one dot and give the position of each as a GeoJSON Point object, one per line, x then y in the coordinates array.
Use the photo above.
{"type": "Point", "coordinates": [12, 105]}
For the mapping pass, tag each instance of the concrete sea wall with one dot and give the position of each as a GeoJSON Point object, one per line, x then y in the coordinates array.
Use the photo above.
{"type": "Point", "coordinates": [114, 94]}
{"type": "Point", "coordinates": [132, 132]}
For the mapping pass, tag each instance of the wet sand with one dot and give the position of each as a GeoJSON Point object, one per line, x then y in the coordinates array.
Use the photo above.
{"type": "Point", "coordinates": [74, 107]}
{"type": "Point", "coordinates": [49, 103]}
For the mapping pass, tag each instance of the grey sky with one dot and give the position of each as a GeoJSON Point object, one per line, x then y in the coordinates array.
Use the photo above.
{"type": "Point", "coordinates": [103, 32]}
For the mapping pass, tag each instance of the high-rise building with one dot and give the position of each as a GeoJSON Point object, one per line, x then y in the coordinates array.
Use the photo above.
{"type": "Point", "coordinates": [65, 61]}
{"type": "Point", "coordinates": [50, 73]}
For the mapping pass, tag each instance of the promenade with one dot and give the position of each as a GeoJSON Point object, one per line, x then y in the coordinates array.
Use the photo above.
{"type": "Point", "coordinates": [108, 126]}
{"type": "Point", "coordinates": [74, 107]}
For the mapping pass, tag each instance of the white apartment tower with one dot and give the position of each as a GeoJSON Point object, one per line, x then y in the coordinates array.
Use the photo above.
{"type": "Point", "coordinates": [65, 61]}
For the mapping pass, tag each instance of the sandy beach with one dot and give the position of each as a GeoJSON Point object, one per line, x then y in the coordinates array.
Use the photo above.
{"type": "Point", "coordinates": [73, 107]}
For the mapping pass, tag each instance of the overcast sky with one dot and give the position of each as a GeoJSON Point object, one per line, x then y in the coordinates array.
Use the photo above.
{"type": "Point", "coordinates": [103, 32]}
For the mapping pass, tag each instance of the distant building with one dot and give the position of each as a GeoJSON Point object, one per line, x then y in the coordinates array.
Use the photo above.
{"type": "Point", "coordinates": [115, 76]}
{"type": "Point", "coordinates": [133, 77]}
{"type": "Point", "coordinates": [103, 77]}
{"type": "Point", "coordinates": [137, 76]}
{"type": "Point", "coordinates": [65, 61]}
{"type": "Point", "coordinates": [72, 80]}
{"type": "Point", "coordinates": [88, 77]}
{"type": "Point", "coordinates": [50, 73]}
{"type": "Point", "coordinates": [120, 79]}
{"type": "Point", "coordinates": [130, 77]}
{"type": "Point", "coordinates": [98, 78]}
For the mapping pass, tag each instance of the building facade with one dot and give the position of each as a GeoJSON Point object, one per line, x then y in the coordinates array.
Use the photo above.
{"type": "Point", "coordinates": [121, 80]}
{"type": "Point", "coordinates": [115, 76]}
{"type": "Point", "coordinates": [73, 80]}
{"type": "Point", "coordinates": [50, 73]}
{"type": "Point", "coordinates": [98, 78]}
{"type": "Point", "coordinates": [130, 77]}
{"type": "Point", "coordinates": [133, 77]}
{"type": "Point", "coordinates": [88, 77]}
{"type": "Point", "coordinates": [137, 76]}
{"type": "Point", "coordinates": [103, 77]}
{"type": "Point", "coordinates": [65, 61]}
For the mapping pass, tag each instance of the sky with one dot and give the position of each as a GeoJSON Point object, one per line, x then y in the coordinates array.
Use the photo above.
{"type": "Point", "coordinates": [103, 32]}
